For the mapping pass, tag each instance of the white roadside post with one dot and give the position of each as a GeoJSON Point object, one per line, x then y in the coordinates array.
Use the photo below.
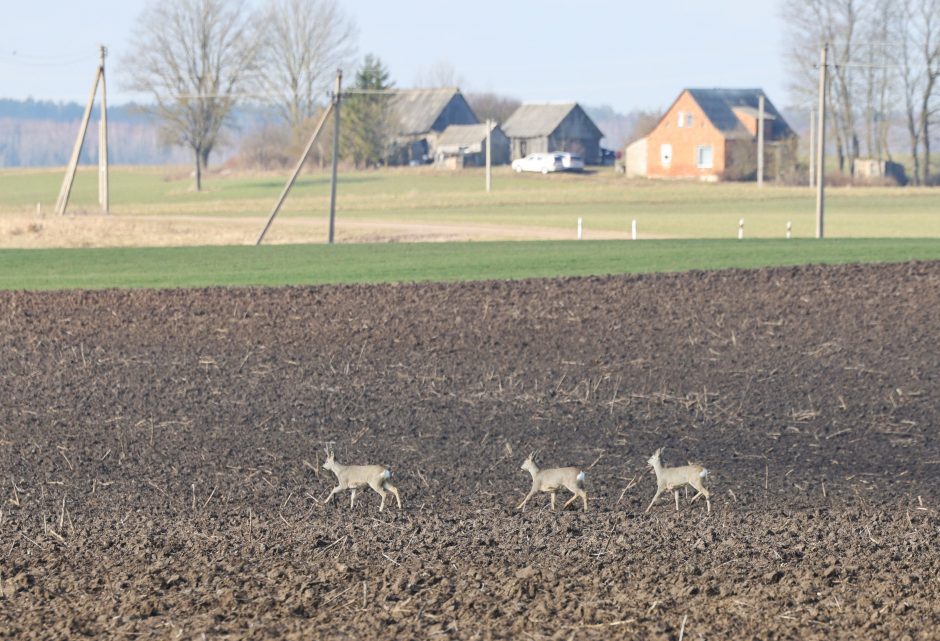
{"type": "Point", "coordinates": [789, 228]}
{"type": "Point", "coordinates": [741, 229]}
{"type": "Point", "coordinates": [579, 228]}
{"type": "Point", "coordinates": [633, 229]}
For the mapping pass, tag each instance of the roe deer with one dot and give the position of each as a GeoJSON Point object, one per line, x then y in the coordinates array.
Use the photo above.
{"type": "Point", "coordinates": [354, 477]}
{"type": "Point", "coordinates": [672, 478]}
{"type": "Point", "coordinates": [551, 480]}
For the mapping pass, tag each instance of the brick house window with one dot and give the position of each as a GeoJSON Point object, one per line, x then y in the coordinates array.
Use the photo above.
{"type": "Point", "coordinates": [665, 155]}
{"type": "Point", "coordinates": [704, 157]}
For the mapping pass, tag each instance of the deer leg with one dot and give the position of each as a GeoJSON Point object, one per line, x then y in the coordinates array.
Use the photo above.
{"type": "Point", "coordinates": [335, 490]}
{"type": "Point", "coordinates": [377, 486]}
{"type": "Point", "coordinates": [583, 496]}
{"type": "Point", "coordinates": [352, 499]}
{"type": "Point", "coordinates": [521, 506]}
{"type": "Point", "coordinates": [570, 501]}
{"type": "Point", "coordinates": [553, 500]}
{"type": "Point", "coordinates": [658, 492]}
{"type": "Point", "coordinates": [394, 490]}
{"type": "Point", "coordinates": [701, 492]}
{"type": "Point", "coordinates": [676, 494]}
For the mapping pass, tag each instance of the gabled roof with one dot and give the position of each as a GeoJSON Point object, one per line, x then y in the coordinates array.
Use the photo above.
{"type": "Point", "coordinates": [719, 106]}
{"type": "Point", "coordinates": [418, 109]}
{"type": "Point", "coordinates": [462, 135]}
{"type": "Point", "coordinates": [539, 119]}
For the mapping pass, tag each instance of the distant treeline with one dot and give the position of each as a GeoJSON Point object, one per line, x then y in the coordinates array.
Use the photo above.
{"type": "Point", "coordinates": [41, 133]}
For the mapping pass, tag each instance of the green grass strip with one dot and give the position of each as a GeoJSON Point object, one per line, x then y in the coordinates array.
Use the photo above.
{"type": "Point", "coordinates": [52, 269]}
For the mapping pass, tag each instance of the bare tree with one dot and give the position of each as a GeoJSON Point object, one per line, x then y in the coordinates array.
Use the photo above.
{"type": "Point", "coordinates": [918, 35]}
{"type": "Point", "coordinates": [440, 74]}
{"type": "Point", "coordinates": [810, 24]}
{"type": "Point", "coordinates": [492, 106]}
{"type": "Point", "coordinates": [194, 58]}
{"type": "Point", "coordinates": [878, 76]}
{"type": "Point", "coordinates": [644, 122]}
{"type": "Point", "coordinates": [305, 42]}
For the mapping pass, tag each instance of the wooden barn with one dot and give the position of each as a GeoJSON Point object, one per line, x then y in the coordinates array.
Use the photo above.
{"type": "Point", "coordinates": [711, 134]}
{"type": "Point", "coordinates": [465, 146]}
{"type": "Point", "coordinates": [545, 127]}
{"type": "Point", "coordinates": [421, 115]}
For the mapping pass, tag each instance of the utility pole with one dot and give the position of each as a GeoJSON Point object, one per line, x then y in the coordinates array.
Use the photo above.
{"type": "Point", "coordinates": [489, 151]}
{"type": "Point", "coordinates": [821, 142]}
{"type": "Point", "coordinates": [103, 191]}
{"type": "Point", "coordinates": [66, 190]}
{"type": "Point", "coordinates": [293, 177]}
{"type": "Point", "coordinates": [336, 101]}
{"type": "Point", "coordinates": [812, 147]}
{"type": "Point", "coordinates": [760, 140]}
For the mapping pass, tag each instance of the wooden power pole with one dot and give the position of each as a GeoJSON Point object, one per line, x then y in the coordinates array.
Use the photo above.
{"type": "Point", "coordinates": [489, 155]}
{"type": "Point", "coordinates": [336, 101]}
{"type": "Point", "coordinates": [812, 147]}
{"type": "Point", "coordinates": [821, 143]}
{"type": "Point", "coordinates": [66, 190]}
{"type": "Point", "coordinates": [103, 191]}
{"type": "Point", "coordinates": [331, 108]}
{"type": "Point", "coordinates": [760, 140]}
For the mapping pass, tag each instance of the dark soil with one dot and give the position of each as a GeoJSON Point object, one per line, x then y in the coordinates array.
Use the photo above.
{"type": "Point", "coordinates": [160, 455]}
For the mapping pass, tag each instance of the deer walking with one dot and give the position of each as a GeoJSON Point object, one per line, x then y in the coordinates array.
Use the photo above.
{"type": "Point", "coordinates": [553, 479]}
{"type": "Point", "coordinates": [672, 478]}
{"type": "Point", "coordinates": [354, 477]}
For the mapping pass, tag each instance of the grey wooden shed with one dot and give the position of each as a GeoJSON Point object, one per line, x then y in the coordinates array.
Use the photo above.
{"type": "Point", "coordinates": [465, 146]}
{"type": "Point", "coordinates": [561, 126]}
{"type": "Point", "coordinates": [420, 115]}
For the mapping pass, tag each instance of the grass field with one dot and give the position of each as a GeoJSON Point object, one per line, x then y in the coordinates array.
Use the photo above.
{"type": "Point", "coordinates": [155, 207]}
{"type": "Point", "coordinates": [394, 262]}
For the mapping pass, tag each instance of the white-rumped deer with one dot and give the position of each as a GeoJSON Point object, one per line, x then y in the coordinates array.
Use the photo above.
{"type": "Point", "coordinates": [553, 479]}
{"type": "Point", "coordinates": [672, 478]}
{"type": "Point", "coordinates": [354, 477]}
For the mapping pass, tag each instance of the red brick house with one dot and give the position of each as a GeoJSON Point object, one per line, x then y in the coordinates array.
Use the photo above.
{"type": "Point", "coordinates": [711, 134]}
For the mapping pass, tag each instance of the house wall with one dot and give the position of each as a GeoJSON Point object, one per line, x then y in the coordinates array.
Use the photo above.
{"type": "Point", "coordinates": [684, 141]}
{"type": "Point", "coordinates": [475, 155]}
{"type": "Point", "coordinates": [522, 147]}
{"type": "Point", "coordinates": [499, 146]}
{"type": "Point", "coordinates": [750, 123]}
{"type": "Point", "coordinates": [635, 159]}
{"type": "Point", "coordinates": [457, 112]}
{"type": "Point", "coordinates": [576, 134]}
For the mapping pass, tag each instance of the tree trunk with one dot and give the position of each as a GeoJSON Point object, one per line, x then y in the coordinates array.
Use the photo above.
{"type": "Point", "coordinates": [198, 170]}
{"type": "Point", "coordinates": [927, 153]}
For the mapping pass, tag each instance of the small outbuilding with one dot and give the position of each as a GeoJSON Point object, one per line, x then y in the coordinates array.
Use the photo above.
{"type": "Point", "coordinates": [420, 116]}
{"type": "Point", "coordinates": [465, 146]}
{"type": "Point", "coordinates": [547, 127]}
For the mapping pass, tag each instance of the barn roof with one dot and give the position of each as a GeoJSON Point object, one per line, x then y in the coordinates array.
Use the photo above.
{"type": "Point", "coordinates": [719, 106]}
{"type": "Point", "coordinates": [462, 135]}
{"type": "Point", "coordinates": [537, 119]}
{"type": "Point", "coordinates": [417, 109]}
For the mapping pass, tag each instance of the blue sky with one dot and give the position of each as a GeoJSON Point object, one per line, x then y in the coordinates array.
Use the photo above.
{"type": "Point", "coordinates": [624, 54]}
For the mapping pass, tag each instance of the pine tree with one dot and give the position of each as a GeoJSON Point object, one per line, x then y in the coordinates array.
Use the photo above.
{"type": "Point", "coordinates": [367, 116]}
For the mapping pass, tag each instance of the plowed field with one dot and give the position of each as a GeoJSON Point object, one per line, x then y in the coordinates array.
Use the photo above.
{"type": "Point", "coordinates": [160, 457]}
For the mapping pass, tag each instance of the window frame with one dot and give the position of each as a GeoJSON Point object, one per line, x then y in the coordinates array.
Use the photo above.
{"type": "Point", "coordinates": [699, 149]}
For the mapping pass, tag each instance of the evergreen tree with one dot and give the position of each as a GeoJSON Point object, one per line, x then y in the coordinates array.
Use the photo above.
{"type": "Point", "coordinates": [366, 131]}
